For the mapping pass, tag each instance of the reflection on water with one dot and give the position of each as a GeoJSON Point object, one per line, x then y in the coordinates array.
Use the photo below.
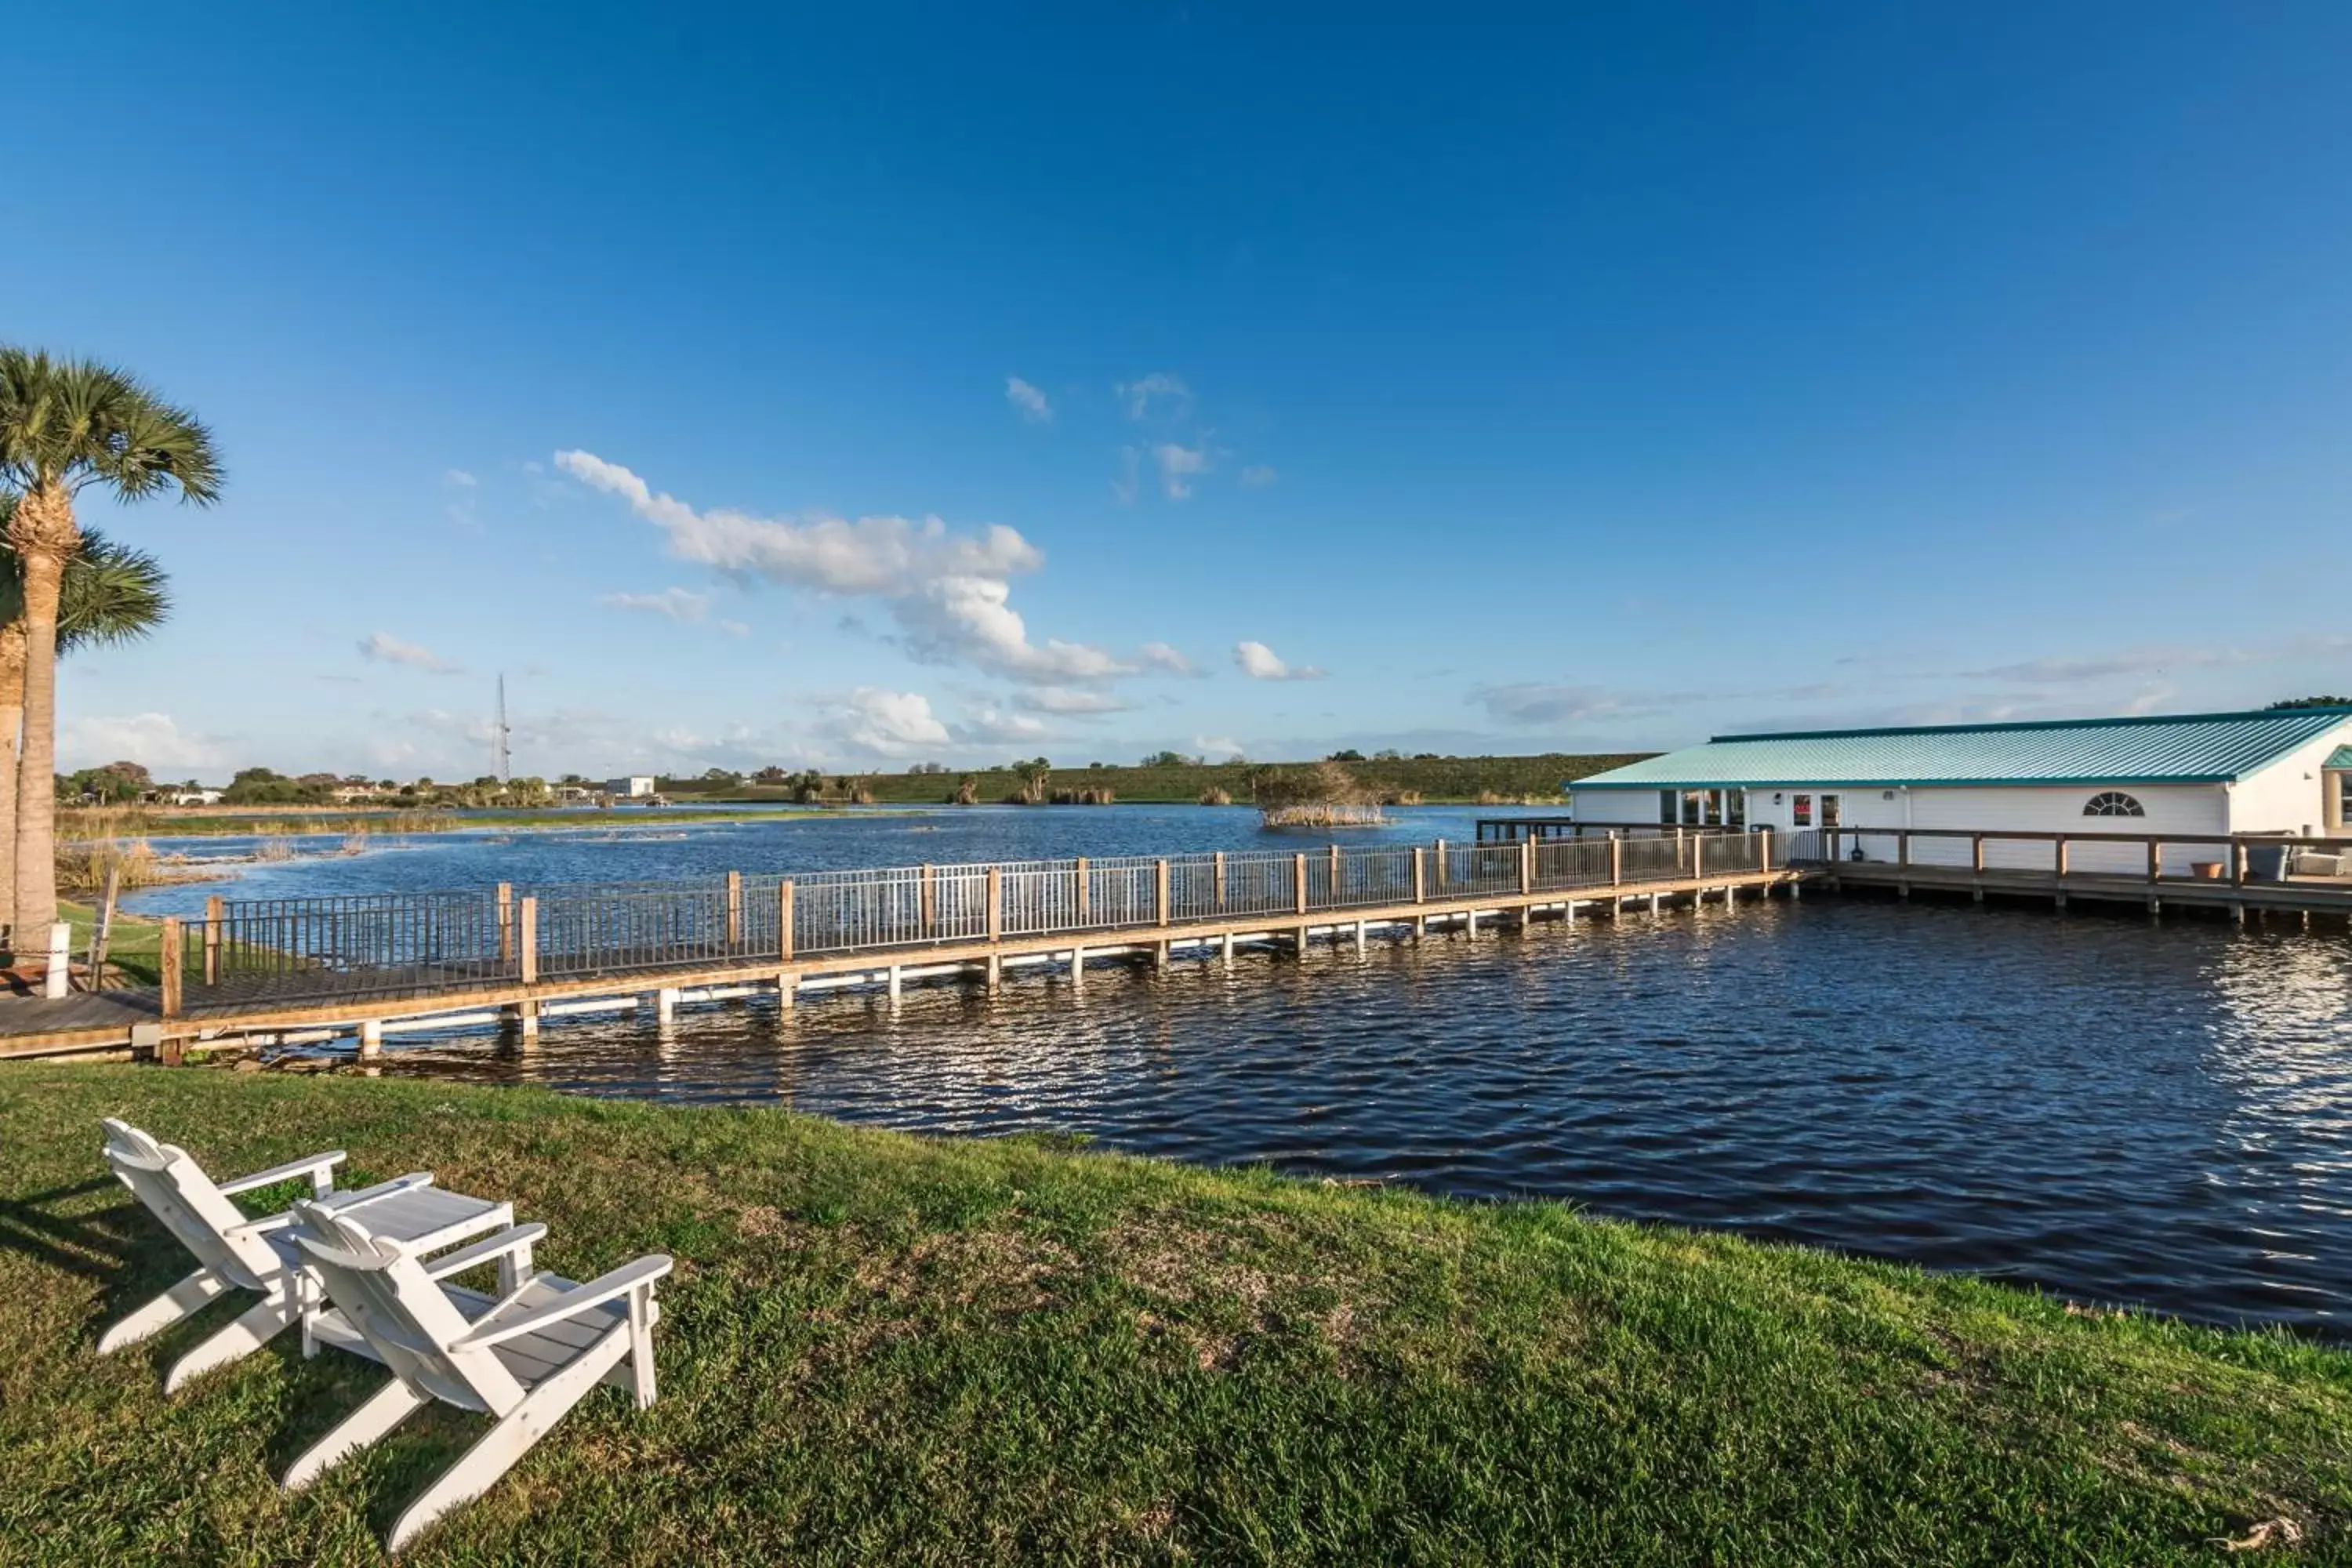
{"type": "Point", "coordinates": [2115, 1110]}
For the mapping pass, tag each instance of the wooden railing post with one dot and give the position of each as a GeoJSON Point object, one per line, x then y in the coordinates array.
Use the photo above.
{"type": "Point", "coordinates": [1976, 854]}
{"type": "Point", "coordinates": [215, 909]}
{"type": "Point", "coordinates": [1439, 856]}
{"type": "Point", "coordinates": [1082, 889]}
{"type": "Point", "coordinates": [1764, 855]}
{"type": "Point", "coordinates": [1616, 860]}
{"type": "Point", "coordinates": [1160, 890]}
{"type": "Point", "coordinates": [995, 904]}
{"type": "Point", "coordinates": [784, 919]}
{"type": "Point", "coordinates": [734, 910]}
{"type": "Point", "coordinates": [930, 911]}
{"type": "Point", "coordinates": [1298, 876]}
{"type": "Point", "coordinates": [1335, 874]}
{"type": "Point", "coordinates": [1419, 877]}
{"type": "Point", "coordinates": [2156, 860]}
{"type": "Point", "coordinates": [2059, 850]}
{"type": "Point", "coordinates": [1903, 847]}
{"type": "Point", "coordinates": [1698, 856]}
{"type": "Point", "coordinates": [1527, 866]}
{"type": "Point", "coordinates": [169, 961]}
{"type": "Point", "coordinates": [529, 922]}
{"type": "Point", "coordinates": [1221, 881]}
{"type": "Point", "coordinates": [506, 922]}
{"type": "Point", "coordinates": [2237, 863]}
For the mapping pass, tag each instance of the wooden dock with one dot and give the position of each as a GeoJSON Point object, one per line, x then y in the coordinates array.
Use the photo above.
{"type": "Point", "coordinates": [2239, 875]}
{"type": "Point", "coordinates": [279, 970]}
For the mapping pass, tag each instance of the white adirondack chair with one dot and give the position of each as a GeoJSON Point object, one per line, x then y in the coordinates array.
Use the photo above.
{"type": "Point", "coordinates": [523, 1357]}
{"type": "Point", "coordinates": [234, 1251]}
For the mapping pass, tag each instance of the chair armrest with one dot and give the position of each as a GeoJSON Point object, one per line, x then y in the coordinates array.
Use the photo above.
{"type": "Point", "coordinates": [514, 1239]}
{"type": "Point", "coordinates": [320, 1168]}
{"type": "Point", "coordinates": [338, 1202]}
{"type": "Point", "coordinates": [637, 1276]}
{"type": "Point", "coordinates": [342, 1202]}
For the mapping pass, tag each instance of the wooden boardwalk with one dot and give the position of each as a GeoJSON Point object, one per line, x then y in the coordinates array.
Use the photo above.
{"type": "Point", "coordinates": [2240, 876]}
{"type": "Point", "coordinates": [325, 967]}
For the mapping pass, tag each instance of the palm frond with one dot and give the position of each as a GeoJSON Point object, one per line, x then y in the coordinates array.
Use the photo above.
{"type": "Point", "coordinates": [111, 595]}
{"type": "Point", "coordinates": [75, 422]}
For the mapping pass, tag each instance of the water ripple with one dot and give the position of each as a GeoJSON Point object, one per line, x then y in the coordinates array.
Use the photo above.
{"type": "Point", "coordinates": [2158, 1114]}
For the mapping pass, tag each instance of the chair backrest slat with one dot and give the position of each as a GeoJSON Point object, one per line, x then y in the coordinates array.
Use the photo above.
{"type": "Point", "coordinates": [176, 1190]}
{"type": "Point", "coordinates": [384, 1293]}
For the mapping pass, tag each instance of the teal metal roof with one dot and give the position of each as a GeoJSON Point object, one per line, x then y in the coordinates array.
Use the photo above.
{"type": "Point", "coordinates": [2341, 757]}
{"type": "Point", "coordinates": [2204, 748]}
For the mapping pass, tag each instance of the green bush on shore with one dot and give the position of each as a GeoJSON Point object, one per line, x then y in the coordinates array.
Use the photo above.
{"type": "Point", "coordinates": [880, 1348]}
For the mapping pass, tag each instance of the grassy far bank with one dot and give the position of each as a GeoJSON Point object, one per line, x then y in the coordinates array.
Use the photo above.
{"type": "Point", "coordinates": [885, 1349]}
{"type": "Point", "coordinates": [1436, 780]}
{"type": "Point", "coordinates": [171, 823]}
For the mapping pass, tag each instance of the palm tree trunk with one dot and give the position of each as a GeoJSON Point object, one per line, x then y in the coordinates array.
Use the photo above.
{"type": "Point", "coordinates": [12, 721]}
{"type": "Point", "coordinates": [46, 536]}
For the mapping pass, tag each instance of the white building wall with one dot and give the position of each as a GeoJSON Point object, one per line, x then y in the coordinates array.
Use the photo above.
{"type": "Point", "coordinates": [2287, 796]}
{"type": "Point", "coordinates": [2186, 810]}
{"type": "Point", "coordinates": [1620, 808]}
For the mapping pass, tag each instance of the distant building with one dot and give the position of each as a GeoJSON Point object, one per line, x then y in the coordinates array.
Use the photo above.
{"type": "Point", "coordinates": [2288, 771]}
{"type": "Point", "coordinates": [638, 786]}
{"type": "Point", "coordinates": [195, 798]}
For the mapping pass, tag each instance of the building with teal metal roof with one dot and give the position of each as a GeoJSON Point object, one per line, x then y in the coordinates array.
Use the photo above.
{"type": "Point", "coordinates": [2288, 770]}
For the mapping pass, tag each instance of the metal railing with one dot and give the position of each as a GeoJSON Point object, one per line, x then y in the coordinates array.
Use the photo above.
{"type": "Point", "coordinates": [2150, 857]}
{"type": "Point", "coordinates": [295, 950]}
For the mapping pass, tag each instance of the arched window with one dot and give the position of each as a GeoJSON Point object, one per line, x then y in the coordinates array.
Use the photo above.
{"type": "Point", "coordinates": [2113, 803]}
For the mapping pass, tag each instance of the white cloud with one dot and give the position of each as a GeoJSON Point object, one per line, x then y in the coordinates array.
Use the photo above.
{"type": "Point", "coordinates": [884, 723]}
{"type": "Point", "coordinates": [1072, 699]}
{"type": "Point", "coordinates": [1136, 395]}
{"type": "Point", "coordinates": [385, 648]}
{"type": "Point", "coordinates": [1177, 465]}
{"type": "Point", "coordinates": [1539, 702]}
{"type": "Point", "coordinates": [154, 740]}
{"type": "Point", "coordinates": [996, 727]}
{"type": "Point", "coordinates": [949, 592]}
{"type": "Point", "coordinates": [735, 628]}
{"type": "Point", "coordinates": [1259, 662]}
{"type": "Point", "coordinates": [969, 619]}
{"type": "Point", "coordinates": [2102, 666]}
{"type": "Point", "coordinates": [1127, 483]}
{"type": "Point", "coordinates": [458, 477]}
{"type": "Point", "coordinates": [882, 557]}
{"type": "Point", "coordinates": [683, 606]}
{"type": "Point", "coordinates": [1217, 745]}
{"type": "Point", "coordinates": [1160, 655]}
{"type": "Point", "coordinates": [1031, 403]}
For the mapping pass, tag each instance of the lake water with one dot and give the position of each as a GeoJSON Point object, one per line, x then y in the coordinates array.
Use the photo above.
{"type": "Point", "coordinates": [2114, 1108]}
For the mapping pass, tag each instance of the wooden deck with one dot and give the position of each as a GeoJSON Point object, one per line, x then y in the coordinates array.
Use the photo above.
{"type": "Point", "coordinates": [106, 1023]}
{"type": "Point", "coordinates": [2243, 874]}
{"type": "Point", "coordinates": [2293, 896]}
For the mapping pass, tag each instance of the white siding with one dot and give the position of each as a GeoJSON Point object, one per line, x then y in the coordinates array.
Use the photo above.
{"type": "Point", "coordinates": [2187, 810]}
{"type": "Point", "coordinates": [1624, 807]}
{"type": "Point", "coordinates": [2285, 798]}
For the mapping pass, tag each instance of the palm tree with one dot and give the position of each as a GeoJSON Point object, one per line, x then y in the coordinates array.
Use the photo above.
{"type": "Point", "coordinates": [65, 424]}
{"type": "Point", "coordinates": [111, 595]}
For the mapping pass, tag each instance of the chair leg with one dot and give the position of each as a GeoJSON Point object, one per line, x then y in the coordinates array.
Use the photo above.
{"type": "Point", "coordinates": [483, 1464]}
{"type": "Point", "coordinates": [641, 1345]}
{"type": "Point", "coordinates": [386, 1408]}
{"type": "Point", "coordinates": [258, 1326]}
{"type": "Point", "coordinates": [164, 1310]}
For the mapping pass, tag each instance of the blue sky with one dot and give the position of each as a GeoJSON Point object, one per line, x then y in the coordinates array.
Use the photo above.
{"type": "Point", "coordinates": [881, 385]}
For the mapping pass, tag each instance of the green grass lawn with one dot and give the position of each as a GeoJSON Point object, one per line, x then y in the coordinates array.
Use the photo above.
{"type": "Point", "coordinates": [886, 1348]}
